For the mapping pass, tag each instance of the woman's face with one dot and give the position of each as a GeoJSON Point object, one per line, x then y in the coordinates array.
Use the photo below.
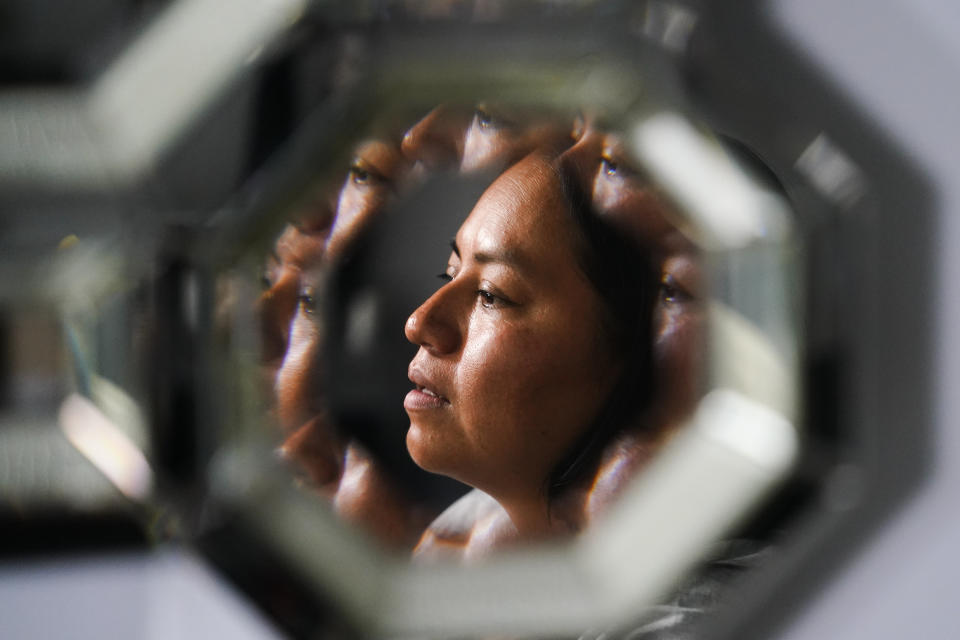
{"type": "Point", "coordinates": [377, 167]}
{"type": "Point", "coordinates": [294, 252]}
{"type": "Point", "coordinates": [498, 136]}
{"type": "Point", "coordinates": [680, 328]}
{"type": "Point", "coordinates": [621, 195]}
{"type": "Point", "coordinates": [485, 137]}
{"type": "Point", "coordinates": [435, 142]}
{"type": "Point", "coordinates": [298, 380]}
{"type": "Point", "coordinates": [512, 365]}
{"type": "Point", "coordinates": [617, 191]}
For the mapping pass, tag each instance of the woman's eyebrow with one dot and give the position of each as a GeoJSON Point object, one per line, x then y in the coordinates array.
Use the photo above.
{"type": "Point", "coordinates": [513, 258]}
{"type": "Point", "coordinates": [363, 164]}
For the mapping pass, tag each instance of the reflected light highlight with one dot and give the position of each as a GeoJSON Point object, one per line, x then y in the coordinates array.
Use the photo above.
{"type": "Point", "coordinates": [106, 447]}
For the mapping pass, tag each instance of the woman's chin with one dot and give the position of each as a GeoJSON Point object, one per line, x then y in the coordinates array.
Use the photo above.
{"type": "Point", "coordinates": [428, 452]}
{"type": "Point", "coordinates": [419, 448]}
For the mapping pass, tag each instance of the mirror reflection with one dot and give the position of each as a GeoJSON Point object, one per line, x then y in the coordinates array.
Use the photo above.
{"type": "Point", "coordinates": [559, 348]}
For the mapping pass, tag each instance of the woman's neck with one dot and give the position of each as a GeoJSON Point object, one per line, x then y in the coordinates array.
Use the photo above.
{"type": "Point", "coordinates": [532, 516]}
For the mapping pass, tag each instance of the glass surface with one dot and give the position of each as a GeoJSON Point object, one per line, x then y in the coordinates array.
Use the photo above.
{"type": "Point", "coordinates": [573, 349]}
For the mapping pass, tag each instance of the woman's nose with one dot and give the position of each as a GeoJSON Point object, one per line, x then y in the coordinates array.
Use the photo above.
{"type": "Point", "coordinates": [437, 139]}
{"type": "Point", "coordinates": [582, 159]}
{"type": "Point", "coordinates": [432, 327]}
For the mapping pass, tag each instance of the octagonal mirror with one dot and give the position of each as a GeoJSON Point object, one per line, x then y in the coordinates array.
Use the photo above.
{"type": "Point", "coordinates": [515, 352]}
{"type": "Point", "coordinates": [491, 337]}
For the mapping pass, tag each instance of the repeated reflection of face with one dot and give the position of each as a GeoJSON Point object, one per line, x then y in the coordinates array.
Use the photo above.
{"type": "Point", "coordinates": [435, 142]}
{"type": "Point", "coordinates": [620, 194]}
{"type": "Point", "coordinates": [486, 137]}
{"type": "Point", "coordinates": [512, 365]}
{"type": "Point", "coordinates": [297, 379]}
{"type": "Point", "coordinates": [296, 250]}
{"type": "Point", "coordinates": [679, 325]}
{"type": "Point", "coordinates": [334, 466]}
{"type": "Point", "coordinates": [371, 180]}
{"type": "Point", "coordinates": [377, 167]}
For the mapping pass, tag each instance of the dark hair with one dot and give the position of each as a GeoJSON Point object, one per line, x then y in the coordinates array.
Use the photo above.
{"type": "Point", "coordinates": [625, 279]}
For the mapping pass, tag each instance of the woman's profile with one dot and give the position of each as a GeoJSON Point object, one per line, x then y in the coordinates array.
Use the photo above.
{"type": "Point", "coordinates": [535, 351]}
{"type": "Point", "coordinates": [598, 169]}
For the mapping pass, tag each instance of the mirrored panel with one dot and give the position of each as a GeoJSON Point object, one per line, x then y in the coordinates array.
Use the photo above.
{"type": "Point", "coordinates": [503, 340]}
{"type": "Point", "coordinates": [364, 398]}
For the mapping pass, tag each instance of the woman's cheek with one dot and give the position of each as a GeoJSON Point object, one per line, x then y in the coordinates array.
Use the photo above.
{"type": "Point", "coordinates": [277, 308]}
{"type": "Point", "coordinates": [295, 381]}
{"type": "Point", "coordinates": [668, 344]}
{"type": "Point", "coordinates": [476, 151]}
{"type": "Point", "coordinates": [354, 210]}
{"type": "Point", "coordinates": [493, 374]}
{"type": "Point", "coordinates": [679, 351]}
{"type": "Point", "coordinates": [358, 202]}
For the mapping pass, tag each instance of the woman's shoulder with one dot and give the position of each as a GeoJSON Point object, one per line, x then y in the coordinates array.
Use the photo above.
{"type": "Point", "coordinates": [466, 530]}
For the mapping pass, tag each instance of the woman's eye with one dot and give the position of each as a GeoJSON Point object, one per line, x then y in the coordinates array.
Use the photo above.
{"type": "Point", "coordinates": [448, 273]}
{"type": "Point", "coordinates": [484, 119]}
{"type": "Point", "coordinates": [608, 166]}
{"type": "Point", "coordinates": [361, 176]}
{"type": "Point", "coordinates": [307, 303]}
{"type": "Point", "coordinates": [493, 301]}
{"type": "Point", "coordinates": [672, 292]}
{"type": "Point", "coordinates": [668, 294]}
{"type": "Point", "coordinates": [487, 299]}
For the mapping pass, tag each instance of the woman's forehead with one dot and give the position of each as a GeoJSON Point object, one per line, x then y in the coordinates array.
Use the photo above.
{"type": "Point", "coordinates": [520, 219]}
{"type": "Point", "coordinates": [527, 189]}
{"type": "Point", "coordinates": [381, 156]}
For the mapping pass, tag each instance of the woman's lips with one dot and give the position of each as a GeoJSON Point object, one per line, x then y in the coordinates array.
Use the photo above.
{"type": "Point", "coordinates": [425, 395]}
{"type": "Point", "coordinates": [423, 398]}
